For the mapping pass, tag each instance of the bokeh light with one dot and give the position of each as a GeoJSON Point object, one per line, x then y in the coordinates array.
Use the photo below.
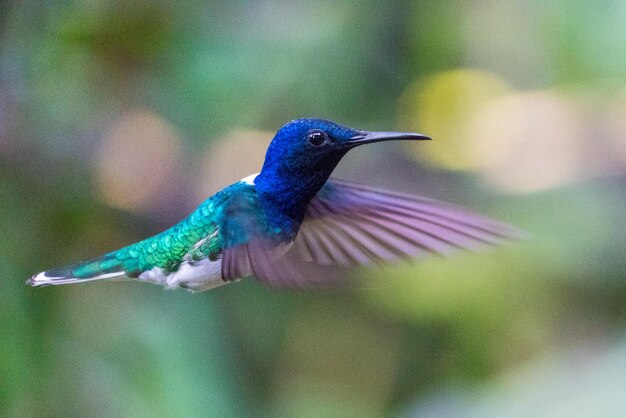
{"type": "Point", "coordinates": [138, 161]}
{"type": "Point", "coordinates": [230, 158]}
{"type": "Point", "coordinates": [528, 142]}
{"type": "Point", "coordinates": [616, 129]}
{"type": "Point", "coordinates": [444, 105]}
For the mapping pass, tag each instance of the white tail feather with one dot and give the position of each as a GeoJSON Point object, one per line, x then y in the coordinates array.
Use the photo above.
{"type": "Point", "coordinates": [42, 280]}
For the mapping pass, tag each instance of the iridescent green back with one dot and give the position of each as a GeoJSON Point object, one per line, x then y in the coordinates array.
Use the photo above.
{"type": "Point", "coordinates": [194, 238]}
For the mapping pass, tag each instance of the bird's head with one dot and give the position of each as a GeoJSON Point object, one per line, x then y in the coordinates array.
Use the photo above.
{"type": "Point", "coordinates": [304, 152]}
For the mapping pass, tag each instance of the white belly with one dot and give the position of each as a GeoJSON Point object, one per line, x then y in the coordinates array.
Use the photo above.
{"type": "Point", "coordinates": [193, 275]}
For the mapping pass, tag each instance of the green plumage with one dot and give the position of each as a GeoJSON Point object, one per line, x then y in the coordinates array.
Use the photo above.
{"type": "Point", "coordinates": [194, 237]}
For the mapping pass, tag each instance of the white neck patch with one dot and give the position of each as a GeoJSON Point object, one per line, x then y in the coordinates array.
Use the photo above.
{"type": "Point", "coordinates": [250, 179]}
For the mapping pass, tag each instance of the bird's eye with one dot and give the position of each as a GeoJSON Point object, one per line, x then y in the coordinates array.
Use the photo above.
{"type": "Point", "coordinates": [317, 138]}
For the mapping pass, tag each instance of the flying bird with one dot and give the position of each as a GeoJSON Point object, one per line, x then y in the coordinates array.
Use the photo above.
{"type": "Point", "coordinates": [292, 226]}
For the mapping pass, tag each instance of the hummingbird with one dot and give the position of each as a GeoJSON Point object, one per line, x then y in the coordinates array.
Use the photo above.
{"type": "Point", "coordinates": [291, 225]}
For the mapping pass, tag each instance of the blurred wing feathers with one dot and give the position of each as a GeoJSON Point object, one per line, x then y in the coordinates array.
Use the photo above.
{"type": "Point", "coordinates": [349, 224]}
{"type": "Point", "coordinates": [273, 267]}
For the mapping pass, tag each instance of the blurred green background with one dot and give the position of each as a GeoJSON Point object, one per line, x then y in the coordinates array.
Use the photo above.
{"type": "Point", "coordinates": [117, 118]}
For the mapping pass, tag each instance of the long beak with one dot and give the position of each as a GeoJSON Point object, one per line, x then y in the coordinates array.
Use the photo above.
{"type": "Point", "coordinates": [365, 137]}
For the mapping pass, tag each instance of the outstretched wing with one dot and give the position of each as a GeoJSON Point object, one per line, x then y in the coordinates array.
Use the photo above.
{"type": "Point", "coordinates": [349, 224]}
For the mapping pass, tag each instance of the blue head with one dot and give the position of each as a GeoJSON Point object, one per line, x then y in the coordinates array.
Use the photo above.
{"type": "Point", "coordinates": [302, 156]}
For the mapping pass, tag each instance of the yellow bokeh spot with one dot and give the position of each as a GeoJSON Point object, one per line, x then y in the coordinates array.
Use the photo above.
{"type": "Point", "coordinates": [443, 107]}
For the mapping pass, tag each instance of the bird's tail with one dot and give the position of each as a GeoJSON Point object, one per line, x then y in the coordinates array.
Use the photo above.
{"type": "Point", "coordinates": [107, 267]}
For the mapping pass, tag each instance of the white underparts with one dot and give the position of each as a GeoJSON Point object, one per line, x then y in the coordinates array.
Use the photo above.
{"type": "Point", "coordinates": [198, 275]}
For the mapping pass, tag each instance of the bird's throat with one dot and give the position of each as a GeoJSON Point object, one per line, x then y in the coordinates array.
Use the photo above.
{"type": "Point", "coordinates": [285, 202]}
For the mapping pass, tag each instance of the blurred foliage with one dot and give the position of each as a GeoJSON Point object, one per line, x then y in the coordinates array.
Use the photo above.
{"type": "Point", "coordinates": [117, 118]}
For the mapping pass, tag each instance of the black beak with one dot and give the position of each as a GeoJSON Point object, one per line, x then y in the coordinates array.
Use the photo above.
{"type": "Point", "coordinates": [365, 137]}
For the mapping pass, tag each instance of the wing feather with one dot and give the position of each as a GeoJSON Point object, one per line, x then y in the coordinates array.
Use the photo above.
{"type": "Point", "coordinates": [348, 225]}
